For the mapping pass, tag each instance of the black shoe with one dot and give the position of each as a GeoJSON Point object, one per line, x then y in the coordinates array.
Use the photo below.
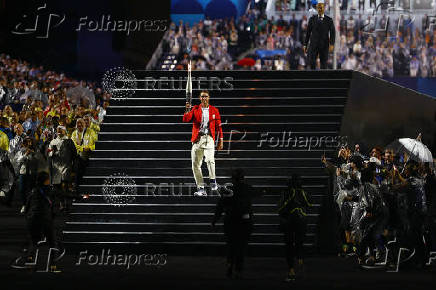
{"type": "Point", "coordinates": [370, 261]}
{"type": "Point", "coordinates": [290, 278]}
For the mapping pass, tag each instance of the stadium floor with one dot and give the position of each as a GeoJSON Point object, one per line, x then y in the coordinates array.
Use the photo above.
{"type": "Point", "coordinates": [325, 272]}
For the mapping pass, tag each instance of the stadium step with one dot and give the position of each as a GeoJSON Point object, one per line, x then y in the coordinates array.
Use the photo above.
{"type": "Point", "coordinates": [139, 178]}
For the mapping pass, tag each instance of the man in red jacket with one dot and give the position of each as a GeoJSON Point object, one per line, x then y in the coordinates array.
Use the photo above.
{"type": "Point", "coordinates": [206, 124]}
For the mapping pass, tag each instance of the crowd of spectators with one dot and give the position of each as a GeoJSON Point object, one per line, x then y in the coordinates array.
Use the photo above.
{"type": "Point", "coordinates": [290, 5]}
{"type": "Point", "coordinates": [385, 201]}
{"type": "Point", "coordinates": [285, 6]}
{"type": "Point", "coordinates": [375, 44]}
{"type": "Point", "coordinates": [49, 123]}
{"type": "Point", "coordinates": [211, 44]}
{"type": "Point", "coordinates": [387, 46]}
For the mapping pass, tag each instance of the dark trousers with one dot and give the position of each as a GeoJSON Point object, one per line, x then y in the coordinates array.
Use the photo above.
{"type": "Point", "coordinates": [416, 235]}
{"type": "Point", "coordinates": [323, 54]}
{"type": "Point", "coordinates": [40, 227]}
{"type": "Point", "coordinates": [368, 241]}
{"type": "Point", "coordinates": [80, 166]}
{"type": "Point", "coordinates": [294, 229]}
{"type": "Point", "coordinates": [26, 182]}
{"type": "Point", "coordinates": [237, 236]}
{"type": "Point", "coordinates": [62, 195]}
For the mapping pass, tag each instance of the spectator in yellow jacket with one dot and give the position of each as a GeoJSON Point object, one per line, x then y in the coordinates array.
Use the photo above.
{"type": "Point", "coordinates": [4, 141]}
{"type": "Point", "coordinates": [84, 138]}
{"type": "Point", "coordinates": [91, 124]}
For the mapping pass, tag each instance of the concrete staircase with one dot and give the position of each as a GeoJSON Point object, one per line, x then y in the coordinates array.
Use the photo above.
{"type": "Point", "coordinates": [143, 156]}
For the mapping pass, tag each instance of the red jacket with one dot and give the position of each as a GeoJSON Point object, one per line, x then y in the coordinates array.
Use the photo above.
{"type": "Point", "coordinates": [195, 116]}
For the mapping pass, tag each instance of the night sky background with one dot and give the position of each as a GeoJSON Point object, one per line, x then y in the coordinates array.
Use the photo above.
{"type": "Point", "coordinates": [82, 54]}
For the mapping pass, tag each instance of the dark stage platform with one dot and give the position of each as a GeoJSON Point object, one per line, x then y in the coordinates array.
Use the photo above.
{"type": "Point", "coordinates": [181, 272]}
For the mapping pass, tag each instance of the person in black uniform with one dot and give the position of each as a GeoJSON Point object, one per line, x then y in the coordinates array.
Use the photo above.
{"type": "Point", "coordinates": [235, 202]}
{"type": "Point", "coordinates": [417, 212]}
{"type": "Point", "coordinates": [39, 215]}
{"type": "Point", "coordinates": [292, 209]}
{"type": "Point", "coordinates": [321, 34]}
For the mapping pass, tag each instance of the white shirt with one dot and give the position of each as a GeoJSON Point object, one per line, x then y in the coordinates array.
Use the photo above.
{"type": "Point", "coordinates": [101, 114]}
{"type": "Point", "coordinates": [2, 92]}
{"type": "Point", "coordinates": [56, 142]}
{"type": "Point", "coordinates": [205, 120]}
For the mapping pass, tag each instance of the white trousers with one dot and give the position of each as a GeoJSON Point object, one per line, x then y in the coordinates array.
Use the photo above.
{"type": "Point", "coordinates": [204, 147]}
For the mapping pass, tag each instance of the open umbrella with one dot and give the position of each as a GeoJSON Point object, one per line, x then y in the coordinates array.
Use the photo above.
{"type": "Point", "coordinates": [77, 93]}
{"type": "Point", "coordinates": [414, 148]}
{"type": "Point", "coordinates": [246, 62]}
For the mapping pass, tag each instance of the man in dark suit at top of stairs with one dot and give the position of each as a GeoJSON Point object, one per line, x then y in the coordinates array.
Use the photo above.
{"type": "Point", "coordinates": [320, 35]}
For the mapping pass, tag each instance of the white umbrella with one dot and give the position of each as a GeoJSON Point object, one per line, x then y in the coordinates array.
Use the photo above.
{"type": "Point", "coordinates": [77, 93]}
{"type": "Point", "coordinates": [414, 148]}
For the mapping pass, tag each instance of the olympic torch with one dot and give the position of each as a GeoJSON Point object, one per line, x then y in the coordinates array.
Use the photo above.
{"type": "Point", "coordinates": [189, 87]}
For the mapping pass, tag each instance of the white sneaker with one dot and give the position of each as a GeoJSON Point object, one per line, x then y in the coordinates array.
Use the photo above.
{"type": "Point", "coordinates": [2, 193]}
{"type": "Point", "coordinates": [214, 186]}
{"type": "Point", "coordinates": [23, 209]}
{"type": "Point", "coordinates": [200, 192]}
